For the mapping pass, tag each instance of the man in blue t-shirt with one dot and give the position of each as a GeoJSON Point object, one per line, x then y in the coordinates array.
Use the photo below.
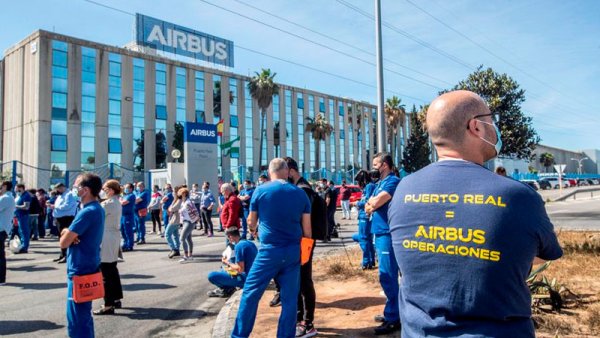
{"type": "Point", "coordinates": [82, 240]}
{"type": "Point", "coordinates": [142, 199]}
{"type": "Point", "coordinates": [465, 238]}
{"type": "Point", "coordinates": [245, 196]}
{"type": "Point", "coordinates": [127, 217]}
{"type": "Point", "coordinates": [377, 207]}
{"type": "Point", "coordinates": [284, 213]}
{"type": "Point", "coordinates": [239, 266]}
{"type": "Point", "coordinates": [22, 204]}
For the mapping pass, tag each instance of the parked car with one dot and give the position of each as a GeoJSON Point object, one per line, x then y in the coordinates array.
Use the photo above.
{"type": "Point", "coordinates": [553, 183]}
{"type": "Point", "coordinates": [532, 183]}
{"type": "Point", "coordinates": [582, 182]}
{"type": "Point", "coordinates": [355, 194]}
{"type": "Point", "coordinates": [572, 182]}
{"type": "Point", "coordinates": [544, 184]}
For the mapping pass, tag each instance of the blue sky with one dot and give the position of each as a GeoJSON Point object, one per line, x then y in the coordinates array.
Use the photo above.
{"type": "Point", "coordinates": [551, 48]}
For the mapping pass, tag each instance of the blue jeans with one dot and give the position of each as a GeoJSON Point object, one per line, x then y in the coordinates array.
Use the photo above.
{"type": "Point", "coordinates": [165, 216]}
{"type": "Point", "coordinates": [283, 264]}
{"type": "Point", "coordinates": [223, 280]}
{"type": "Point", "coordinates": [33, 226]}
{"type": "Point", "coordinates": [127, 231]}
{"type": "Point", "coordinates": [140, 227]}
{"type": "Point", "coordinates": [79, 315]}
{"type": "Point", "coordinates": [172, 236]}
{"type": "Point", "coordinates": [50, 224]}
{"type": "Point", "coordinates": [24, 230]}
{"type": "Point", "coordinates": [388, 276]}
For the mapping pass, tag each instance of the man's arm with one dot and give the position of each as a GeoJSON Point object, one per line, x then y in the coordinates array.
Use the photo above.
{"type": "Point", "coordinates": [68, 237]}
{"type": "Point", "coordinates": [306, 226]}
{"type": "Point", "coordinates": [378, 201]}
{"type": "Point", "coordinates": [24, 206]}
{"type": "Point", "coordinates": [252, 221]}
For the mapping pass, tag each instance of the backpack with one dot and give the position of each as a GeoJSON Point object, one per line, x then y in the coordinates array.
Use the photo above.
{"type": "Point", "coordinates": [318, 213]}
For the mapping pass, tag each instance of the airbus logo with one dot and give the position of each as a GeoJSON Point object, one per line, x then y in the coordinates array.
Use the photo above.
{"type": "Point", "coordinates": [203, 132]}
{"type": "Point", "coordinates": [188, 42]}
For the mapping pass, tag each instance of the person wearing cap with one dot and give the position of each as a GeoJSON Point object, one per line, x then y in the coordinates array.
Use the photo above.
{"type": "Point", "coordinates": [235, 270]}
{"type": "Point", "coordinates": [63, 211]}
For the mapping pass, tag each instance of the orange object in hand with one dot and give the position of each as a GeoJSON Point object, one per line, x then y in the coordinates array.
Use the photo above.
{"type": "Point", "coordinates": [88, 287]}
{"type": "Point", "coordinates": [306, 247]}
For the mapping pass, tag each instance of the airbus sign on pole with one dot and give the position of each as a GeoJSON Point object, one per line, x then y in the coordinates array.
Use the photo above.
{"type": "Point", "coordinates": [169, 37]}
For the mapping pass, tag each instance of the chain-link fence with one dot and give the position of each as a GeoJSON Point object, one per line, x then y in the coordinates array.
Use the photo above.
{"type": "Point", "coordinates": [19, 172]}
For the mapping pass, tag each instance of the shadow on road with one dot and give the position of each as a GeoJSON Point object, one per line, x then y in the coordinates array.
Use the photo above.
{"type": "Point", "coordinates": [26, 326]}
{"type": "Point", "coordinates": [152, 313]}
{"type": "Point", "coordinates": [39, 286]}
{"type": "Point", "coordinates": [357, 303]}
{"type": "Point", "coordinates": [135, 276]}
{"type": "Point", "coordinates": [33, 268]}
{"type": "Point", "coordinates": [146, 286]}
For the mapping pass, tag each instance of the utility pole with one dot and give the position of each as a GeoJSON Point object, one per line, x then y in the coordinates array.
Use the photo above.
{"type": "Point", "coordinates": [379, 55]}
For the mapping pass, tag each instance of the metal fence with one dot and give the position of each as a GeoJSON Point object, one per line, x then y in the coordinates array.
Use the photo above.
{"type": "Point", "coordinates": [19, 172]}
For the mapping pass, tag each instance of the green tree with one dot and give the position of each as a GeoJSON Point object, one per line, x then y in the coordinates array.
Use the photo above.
{"type": "Point", "coordinates": [416, 153]}
{"type": "Point", "coordinates": [178, 139]}
{"type": "Point", "coordinates": [505, 98]}
{"type": "Point", "coordinates": [262, 88]}
{"type": "Point", "coordinates": [138, 154]}
{"type": "Point", "coordinates": [160, 155]}
{"type": "Point", "coordinates": [395, 114]}
{"type": "Point", "coordinates": [547, 160]}
{"type": "Point", "coordinates": [320, 129]}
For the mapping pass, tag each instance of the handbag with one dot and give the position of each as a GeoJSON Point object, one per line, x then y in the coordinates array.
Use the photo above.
{"type": "Point", "coordinates": [143, 212]}
{"type": "Point", "coordinates": [88, 287]}
{"type": "Point", "coordinates": [15, 245]}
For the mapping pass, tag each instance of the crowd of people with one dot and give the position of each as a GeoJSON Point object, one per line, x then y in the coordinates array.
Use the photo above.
{"type": "Point", "coordinates": [460, 237]}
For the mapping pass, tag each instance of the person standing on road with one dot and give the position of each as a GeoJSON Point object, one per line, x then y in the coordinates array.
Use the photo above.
{"type": "Point", "coordinates": [127, 217]}
{"type": "Point", "coordinates": [207, 204]}
{"type": "Point", "coordinates": [166, 203]}
{"type": "Point", "coordinates": [230, 214]}
{"type": "Point", "coordinates": [465, 261]}
{"type": "Point", "coordinates": [154, 209]}
{"type": "Point", "coordinates": [50, 221]}
{"type": "Point", "coordinates": [109, 253]}
{"type": "Point", "coordinates": [365, 236]}
{"type": "Point", "coordinates": [34, 216]}
{"type": "Point", "coordinates": [245, 197]}
{"type": "Point", "coordinates": [196, 198]}
{"type": "Point", "coordinates": [331, 195]}
{"type": "Point", "coordinates": [82, 241]}
{"type": "Point", "coordinates": [63, 211]}
{"type": "Point", "coordinates": [236, 270]}
{"type": "Point", "coordinates": [172, 230]}
{"type": "Point", "coordinates": [7, 211]}
{"type": "Point", "coordinates": [142, 199]}
{"type": "Point", "coordinates": [284, 214]}
{"type": "Point", "coordinates": [345, 200]}
{"type": "Point", "coordinates": [377, 206]}
{"type": "Point", "coordinates": [42, 198]}
{"type": "Point", "coordinates": [189, 216]}
{"type": "Point", "coordinates": [23, 201]}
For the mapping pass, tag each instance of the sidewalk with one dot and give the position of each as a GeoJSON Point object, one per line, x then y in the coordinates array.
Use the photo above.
{"type": "Point", "coordinates": [347, 298]}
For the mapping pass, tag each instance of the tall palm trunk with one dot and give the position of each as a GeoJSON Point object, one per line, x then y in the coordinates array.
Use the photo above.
{"type": "Point", "coordinates": [262, 138]}
{"type": "Point", "coordinates": [318, 154]}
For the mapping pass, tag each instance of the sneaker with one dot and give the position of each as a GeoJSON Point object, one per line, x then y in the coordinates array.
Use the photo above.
{"type": "Point", "coordinates": [218, 292]}
{"type": "Point", "coordinates": [171, 254]}
{"type": "Point", "coordinates": [176, 253]}
{"type": "Point", "coordinates": [210, 235]}
{"type": "Point", "coordinates": [387, 328]}
{"type": "Point", "coordinates": [118, 304]}
{"type": "Point", "coordinates": [183, 259]}
{"type": "Point", "coordinates": [305, 331]}
{"type": "Point", "coordinates": [141, 242]}
{"type": "Point", "coordinates": [276, 301]}
{"type": "Point", "coordinates": [151, 232]}
{"type": "Point", "coordinates": [105, 310]}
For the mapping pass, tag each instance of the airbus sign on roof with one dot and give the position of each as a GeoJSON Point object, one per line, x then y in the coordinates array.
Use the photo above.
{"type": "Point", "coordinates": [179, 40]}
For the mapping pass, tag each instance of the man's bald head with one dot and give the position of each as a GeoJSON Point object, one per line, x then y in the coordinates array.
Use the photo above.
{"type": "Point", "coordinates": [449, 114]}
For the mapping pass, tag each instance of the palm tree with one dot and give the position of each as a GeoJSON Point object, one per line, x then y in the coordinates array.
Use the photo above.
{"type": "Point", "coordinates": [547, 160]}
{"type": "Point", "coordinates": [320, 129]}
{"type": "Point", "coordinates": [262, 88]}
{"type": "Point", "coordinates": [395, 114]}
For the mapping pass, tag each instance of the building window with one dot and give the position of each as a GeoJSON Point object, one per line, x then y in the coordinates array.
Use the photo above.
{"type": "Point", "coordinates": [114, 146]}
{"type": "Point", "coordinates": [276, 126]}
{"type": "Point", "coordinates": [300, 120]}
{"type": "Point", "coordinates": [332, 148]}
{"type": "Point", "coordinates": [199, 97]}
{"type": "Point", "coordinates": [288, 123]}
{"type": "Point", "coordinates": [248, 113]}
{"type": "Point", "coordinates": [161, 117]}
{"type": "Point", "coordinates": [58, 146]}
{"type": "Point", "coordinates": [114, 102]}
{"type": "Point", "coordinates": [351, 116]}
{"type": "Point", "coordinates": [311, 140]}
{"type": "Point", "coordinates": [234, 150]}
{"type": "Point", "coordinates": [341, 137]}
{"type": "Point", "coordinates": [88, 104]}
{"type": "Point", "coordinates": [59, 142]}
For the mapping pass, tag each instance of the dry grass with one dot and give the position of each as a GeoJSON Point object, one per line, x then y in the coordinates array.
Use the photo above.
{"type": "Point", "coordinates": [344, 265]}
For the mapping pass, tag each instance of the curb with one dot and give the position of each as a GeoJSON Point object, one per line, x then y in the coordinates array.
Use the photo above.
{"type": "Point", "coordinates": [226, 319]}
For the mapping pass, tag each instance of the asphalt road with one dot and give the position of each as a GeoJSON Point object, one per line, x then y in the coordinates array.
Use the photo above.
{"type": "Point", "coordinates": [575, 215]}
{"type": "Point", "coordinates": [160, 294]}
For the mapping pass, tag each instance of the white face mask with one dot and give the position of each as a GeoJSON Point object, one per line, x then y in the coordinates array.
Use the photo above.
{"type": "Point", "coordinates": [103, 195]}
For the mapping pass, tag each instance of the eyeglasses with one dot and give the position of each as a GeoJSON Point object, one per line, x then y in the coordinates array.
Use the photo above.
{"type": "Point", "coordinates": [495, 117]}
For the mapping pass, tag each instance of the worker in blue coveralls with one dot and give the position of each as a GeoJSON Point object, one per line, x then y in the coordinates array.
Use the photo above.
{"type": "Point", "coordinates": [127, 217]}
{"type": "Point", "coordinates": [142, 199]}
{"type": "Point", "coordinates": [377, 207]}
{"type": "Point", "coordinates": [466, 238]}
{"type": "Point", "coordinates": [22, 203]}
{"type": "Point", "coordinates": [238, 266]}
{"type": "Point", "coordinates": [245, 196]}
{"type": "Point", "coordinates": [82, 240]}
{"type": "Point", "coordinates": [284, 213]}
{"type": "Point", "coordinates": [365, 236]}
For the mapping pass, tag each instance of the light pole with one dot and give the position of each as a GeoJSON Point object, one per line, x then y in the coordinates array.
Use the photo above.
{"type": "Point", "coordinates": [579, 162]}
{"type": "Point", "coordinates": [380, 114]}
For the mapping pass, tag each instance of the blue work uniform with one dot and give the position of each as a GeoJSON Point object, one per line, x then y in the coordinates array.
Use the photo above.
{"type": "Point", "coordinates": [23, 219]}
{"type": "Point", "coordinates": [140, 221]}
{"type": "Point", "coordinates": [246, 210]}
{"type": "Point", "coordinates": [127, 221]}
{"type": "Point", "coordinates": [83, 259]}
{"type": "Point", "coordinates": [365, 236]}
{"type": "Point", "coordinates": [280, 206]}
{"type": "Point", "coordinates": [465, 246]}
{"type": "Point", "coordinates": [388, 268]}
{"type": "Point", "coordinates": [245, 251]}
{"type": "Point", "coordinates": [165, 208]}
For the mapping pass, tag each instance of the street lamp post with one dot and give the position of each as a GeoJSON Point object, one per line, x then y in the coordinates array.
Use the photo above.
{"type": "Point", "coordinates": [379, 56]}
{"type": "Point", "coordinates": [579, 162]}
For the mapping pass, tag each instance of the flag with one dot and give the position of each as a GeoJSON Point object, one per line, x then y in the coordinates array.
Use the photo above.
{"type": "Point", "coordinates": [229, 150]}
{"type": "Point", "coordinates": [220, 128]}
